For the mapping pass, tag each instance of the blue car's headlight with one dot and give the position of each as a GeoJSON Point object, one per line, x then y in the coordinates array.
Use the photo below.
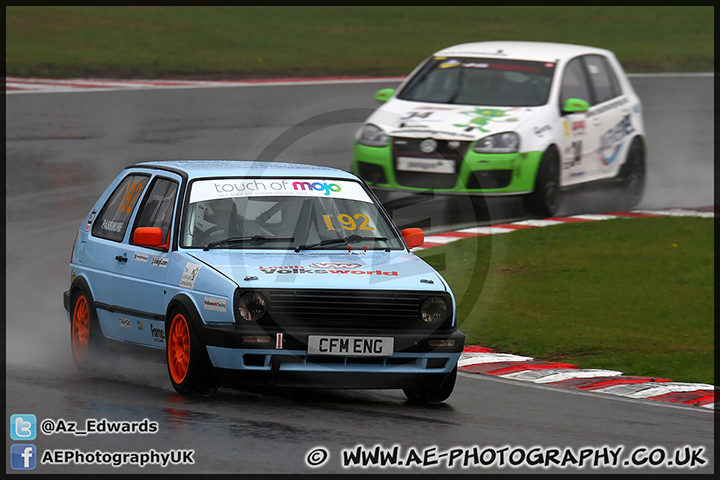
{"type": "Point", "coordinates": [372, 136]}
{"type": "Point", "coordinates": [435, 310]}
{"type": "Point", "coordinates": [251, 307]}
{"type": "Point", "coordinates": [508, 142]}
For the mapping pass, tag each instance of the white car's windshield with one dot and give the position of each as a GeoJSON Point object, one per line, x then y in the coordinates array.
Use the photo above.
{"type": "Point", "coordinates": [284, 213]}
{"type": "Point", "coordinates": [480, 81]}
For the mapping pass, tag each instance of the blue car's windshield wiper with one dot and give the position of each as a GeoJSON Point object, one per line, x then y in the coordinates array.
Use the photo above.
{"type": "Point", "coordinates": [254, 238]}
{"type": "Point", "coordinates": [350, 238]}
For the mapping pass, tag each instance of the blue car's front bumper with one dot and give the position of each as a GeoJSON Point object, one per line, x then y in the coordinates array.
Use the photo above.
{"type": "Point", "coordinates": [414, 363]}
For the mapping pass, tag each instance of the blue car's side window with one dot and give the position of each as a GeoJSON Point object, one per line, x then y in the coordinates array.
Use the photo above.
{"type": "Point", "coordinates": [113, 219]}
{"type": "Point", "coordinates": [157, 207]}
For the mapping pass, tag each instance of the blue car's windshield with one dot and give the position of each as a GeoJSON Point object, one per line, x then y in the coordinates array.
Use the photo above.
{"type": "Point", "coordinates": [287, 213]}
{"type": "Point", "coordinates": [481, 81]}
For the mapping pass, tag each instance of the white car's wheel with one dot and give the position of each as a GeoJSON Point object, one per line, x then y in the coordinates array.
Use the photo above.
{"type": "Point", "coordinates": [632, 175]}
{"type": "Point", "coordinates": [545, 198]}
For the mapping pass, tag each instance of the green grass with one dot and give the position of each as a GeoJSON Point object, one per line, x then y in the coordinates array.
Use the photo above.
{"type": "Point", "coordinates": [242, 42]}
{"type": "Point", "coordinates": [634, 295]}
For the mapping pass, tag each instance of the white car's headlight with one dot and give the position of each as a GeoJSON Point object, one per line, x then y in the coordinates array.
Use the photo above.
{"type": "Point", "coordinates": [508, 142]}
{"type": "Point", "coordinates": [372, 136]}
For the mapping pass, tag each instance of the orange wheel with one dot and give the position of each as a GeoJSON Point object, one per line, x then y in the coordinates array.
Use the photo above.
{"type": "Point", "coordinates": [80, 329]}
{"type": "Point", "coordinates": [178, 348]}
{"type": "Point", "coordinates": [188, 364]}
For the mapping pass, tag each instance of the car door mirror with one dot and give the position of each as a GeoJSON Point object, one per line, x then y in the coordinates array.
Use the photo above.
{"type": "Point", "coordinates": [384, 94]}
{"type": "Point", "coordinates": [148, 237]}
{"type": "Point", "coordinates": [414, 237]}
{"type": "Point", "coordinates": [576, 105]}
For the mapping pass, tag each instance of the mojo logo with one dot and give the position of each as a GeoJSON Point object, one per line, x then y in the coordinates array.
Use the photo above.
{"type": "Point", "coordinates": [319, 186]}
{"type": "Point", "coordinates": [158, 334]}
{"type": "Point", "coordinates": [335, 265]}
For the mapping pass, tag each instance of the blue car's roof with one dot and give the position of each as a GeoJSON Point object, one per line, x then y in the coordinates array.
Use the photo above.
{"type": "Point", "coordinates": [214, 168]}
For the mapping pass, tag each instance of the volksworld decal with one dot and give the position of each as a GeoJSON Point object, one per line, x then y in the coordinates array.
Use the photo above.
{"type": "Point", "coordinates": [297, 269]}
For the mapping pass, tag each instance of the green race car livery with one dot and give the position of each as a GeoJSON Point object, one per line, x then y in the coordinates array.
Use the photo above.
{"type": "Point", "coordinates": [507, 118]}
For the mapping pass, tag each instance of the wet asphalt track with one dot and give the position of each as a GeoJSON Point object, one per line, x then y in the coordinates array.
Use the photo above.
{"type": "Point", "coordinates": [63, 149]}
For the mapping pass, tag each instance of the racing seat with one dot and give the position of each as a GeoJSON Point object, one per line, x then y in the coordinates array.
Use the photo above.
{"type": "Point", "coordinates": [223, 221]}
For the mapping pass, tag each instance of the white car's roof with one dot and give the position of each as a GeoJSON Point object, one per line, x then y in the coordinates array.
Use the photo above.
{"type": "Point", "coordinates": [535, 51]}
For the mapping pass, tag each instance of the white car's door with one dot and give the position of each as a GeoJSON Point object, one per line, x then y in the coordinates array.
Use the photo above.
{"type": "Point", "coordinates": [579, 139]}
{"type": "Point", "coordinates": [609, 118]}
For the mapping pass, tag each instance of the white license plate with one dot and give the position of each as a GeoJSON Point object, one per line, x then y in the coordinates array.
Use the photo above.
{"type": "Point", "coordinates": [355, 346]}
{"type": "Point", "coordinates": [432, 165]}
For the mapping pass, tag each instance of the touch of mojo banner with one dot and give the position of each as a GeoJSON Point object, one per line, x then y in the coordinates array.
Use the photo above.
{"type": "Point", "coordinates": [204, 190]}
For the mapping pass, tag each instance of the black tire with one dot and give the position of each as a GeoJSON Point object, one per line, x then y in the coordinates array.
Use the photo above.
{"type": "Point", "coordinates": [544, 201]}
{"type": "Point", "coordinates": [189, 367]}
{"type": "Point", "coordinates": [433, 395]}
{"type": "Point", "coordinates": [88, 345]}
{"type": "Point", "coordinates": [632, 175]}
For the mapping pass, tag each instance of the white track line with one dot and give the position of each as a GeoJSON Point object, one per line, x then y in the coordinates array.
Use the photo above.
{"type": "Point", "coordinates": [447, 237]}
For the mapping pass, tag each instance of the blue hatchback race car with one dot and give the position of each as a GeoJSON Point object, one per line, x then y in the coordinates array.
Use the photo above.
{"type": "Point", "coordinates": [248, 273]}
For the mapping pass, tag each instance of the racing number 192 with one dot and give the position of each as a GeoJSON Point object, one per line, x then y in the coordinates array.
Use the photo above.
{"type": "Point", "coordinates": [131, 195]}
{"type": "Point", "coordinates": [348, 222]}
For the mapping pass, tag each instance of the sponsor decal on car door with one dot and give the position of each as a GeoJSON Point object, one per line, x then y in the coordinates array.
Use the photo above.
{"type": "Point", "coordinates": [108, 255]}
{"type": "Point", "coordinates": [575, 152]}
{"type": "Point", "coordinates": [609, 122]}
{"type": "Point", "coordinates": [577, 143]}
{"type": "Point", "coordinates": [139, 281]}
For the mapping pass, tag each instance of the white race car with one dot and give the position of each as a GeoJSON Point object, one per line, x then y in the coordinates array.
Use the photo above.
{"type": "Point", "coordinates": [507, 118]}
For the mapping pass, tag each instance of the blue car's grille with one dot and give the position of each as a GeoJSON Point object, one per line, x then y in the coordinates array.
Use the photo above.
{"type": "Point", "coordinates": [331, 309]}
